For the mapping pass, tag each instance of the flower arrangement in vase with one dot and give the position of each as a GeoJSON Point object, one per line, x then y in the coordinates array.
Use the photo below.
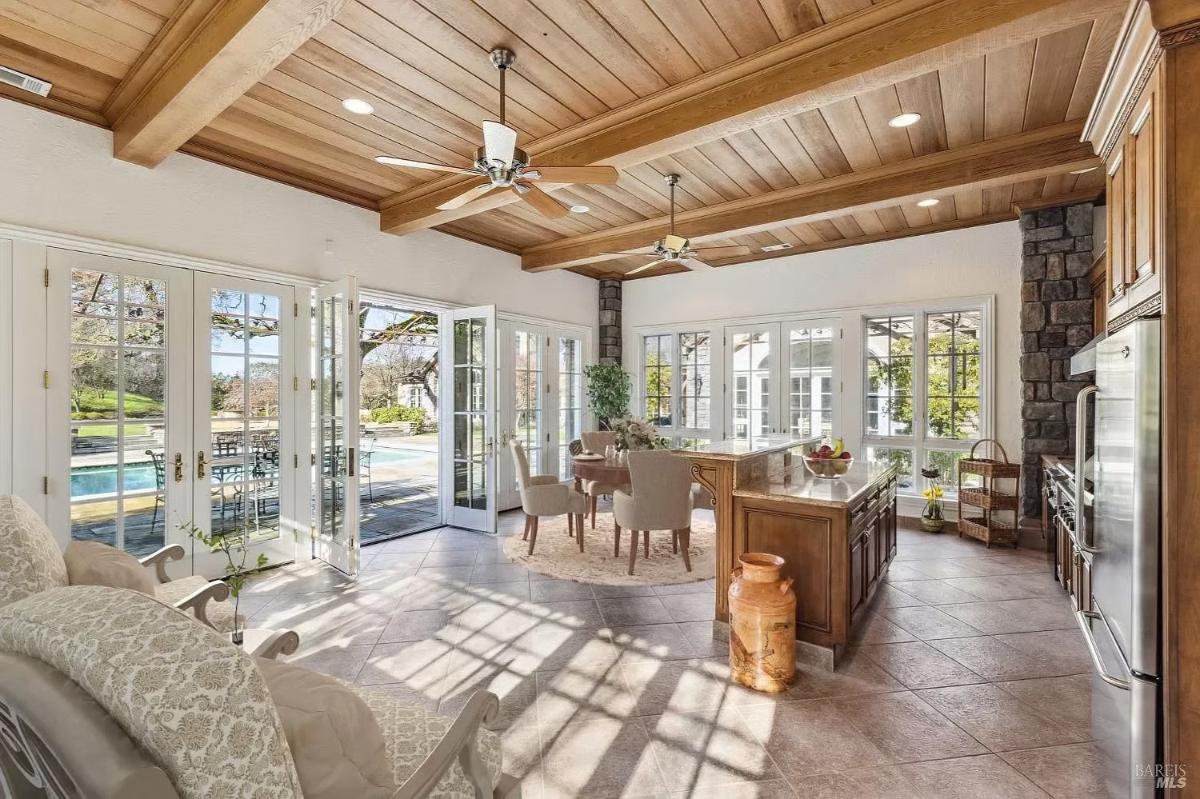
{"type": "Point", "coordinates": [634, 433]}
{"type": "Point", "coordinates": [933, 518]}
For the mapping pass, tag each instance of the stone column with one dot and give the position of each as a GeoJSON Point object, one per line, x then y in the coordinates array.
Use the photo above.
{"type": "Point", "coordinates": [1056, 320]}
{"type": "Point", "coordinates": [610, 321]}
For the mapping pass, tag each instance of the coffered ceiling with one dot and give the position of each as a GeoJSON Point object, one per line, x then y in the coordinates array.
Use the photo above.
{"type": "Point", "coordinates": [773, 112]}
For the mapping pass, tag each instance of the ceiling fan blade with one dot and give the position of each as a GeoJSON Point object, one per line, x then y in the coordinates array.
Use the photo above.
{"type": "Point", "coordinates": [644, 267]}
{"type": "Point", "coordinates": [391, 160]}
{"type": "Point", "coordinates": [578, 174]}
{"type": "Point", "coordinates": [717, 253]}
{"type": "Point", "coordinates": [633, 252]}
{"type": "Point", "coordinates": [542, 202]}
{"type": "Point", "coordinates": [499, 142]}
{"type": "Point", "coordinates": [466, 197]}
{"type": "Point", "coordinates": [696, 265]}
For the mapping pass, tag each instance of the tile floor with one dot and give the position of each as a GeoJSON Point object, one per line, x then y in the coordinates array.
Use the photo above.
{"type": "Point", "coordinates": [968, 679]}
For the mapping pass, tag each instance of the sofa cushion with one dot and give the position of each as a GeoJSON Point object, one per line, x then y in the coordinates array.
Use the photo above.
{"type": "Point", "coordinates": [194, 703]}
{"type": "Point", "coordinates": [411, 733]}
{"type": "Point", "coordinates": [94, 563]}
{"type": "Point", "coordinates": [30, 560]}
{"type": "Point", "coordinates": [336, 745]}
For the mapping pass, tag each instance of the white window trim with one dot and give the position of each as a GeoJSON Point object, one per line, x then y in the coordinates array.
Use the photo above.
{"type": "Point", "coordinates": [919, 442]}
{"type": "Point", "coordinates": [716, 361]}
{"type": "Point", "coordinates": [6, 366]}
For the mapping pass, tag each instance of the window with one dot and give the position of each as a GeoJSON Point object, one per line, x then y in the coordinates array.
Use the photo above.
{"type": "Point", "coordinates": [527, 377]}
{"type": "Point", "coordinates": [695, 380]}
{"type": "Point", "coordinates": [656, 379]}
{"type": "Point", "coordinates": [811, 402]}
{"type": "Point", "coordinates": [750, 371]}
{"type": "Point", "coordinates": [924, 398]}
{"type": "Point", "coordinates": [952, 374]}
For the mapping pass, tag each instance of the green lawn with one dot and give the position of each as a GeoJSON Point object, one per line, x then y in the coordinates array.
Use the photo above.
{"type": "Point", "coordinates": [105, 402]}
{"type": "Point", "coordinates": [109, 430]}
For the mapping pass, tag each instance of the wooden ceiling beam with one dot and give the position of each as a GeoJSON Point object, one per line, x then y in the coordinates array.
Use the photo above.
{"type": "Point", "coordinates": [206, 57]}
{"type": "Point", "coordinates": [876, 47]}
{"type": "Point", "coordinates": [1070, 198]}
{"type": "Point", "coordinates": [1022, 156]}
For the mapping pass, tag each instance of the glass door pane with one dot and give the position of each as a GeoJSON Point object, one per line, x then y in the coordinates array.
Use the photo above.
{"type": "Point", "coordinates": [337, 404]}
{"type": "Point", "coordinates": [243, 339]}
{"type": "Point", "coordinates": [750, 360]}
{"type": "Point", "coordinates": [124, 316]}
{"type": "Point", "coordinates": [470, 417]}
{"type": "Point", "coordinates": [811, 379]}
{"type": "Point", "coordinates": [570, 400]}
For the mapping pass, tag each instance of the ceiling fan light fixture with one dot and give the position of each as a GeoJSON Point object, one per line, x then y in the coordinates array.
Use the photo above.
{"type": "Point", "coordinates": [356, 106]}
{"type": "Point", "coordinates": [928, 202]}
{"type": "Point", "coordinates": [904, 120]}
{"type": "Point", "coordinates": [580, 209]}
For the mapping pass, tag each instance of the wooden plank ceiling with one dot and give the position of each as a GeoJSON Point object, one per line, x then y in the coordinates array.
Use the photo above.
{"type": "Point", "coordinates": [423, 65]}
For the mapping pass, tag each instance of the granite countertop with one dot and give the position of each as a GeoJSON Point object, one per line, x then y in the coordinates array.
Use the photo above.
{"type": "Point", "coordinates": [733, 449]}
{"type": "Point", "coordinates": [801, 487]}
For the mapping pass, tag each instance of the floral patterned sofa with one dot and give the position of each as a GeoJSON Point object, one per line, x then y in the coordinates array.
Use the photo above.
{"type": "Point", "coordinates": [31, 561]}
{"type": "Point", "coordinates": [107, 693]}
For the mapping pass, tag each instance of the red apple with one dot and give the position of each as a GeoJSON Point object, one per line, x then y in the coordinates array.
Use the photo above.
{"type": "Point", "coordinates": [846, 455]}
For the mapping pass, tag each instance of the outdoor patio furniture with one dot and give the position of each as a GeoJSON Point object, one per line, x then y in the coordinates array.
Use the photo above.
{"type": "Point", "coordinates": [160, 484]}
{"type": "Point", "coordinates": [365, 451]}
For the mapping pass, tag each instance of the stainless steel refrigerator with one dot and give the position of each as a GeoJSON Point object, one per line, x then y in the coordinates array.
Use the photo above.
{"type": "Point", "coordinates": [1122, 628]}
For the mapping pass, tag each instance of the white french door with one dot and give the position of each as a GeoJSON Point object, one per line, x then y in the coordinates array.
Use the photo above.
{"type": "Point", "coordinates": [244, 422]}
{"type": "Point", "coordinates": [781, 378]}
{"type": "Point", "coordinates": [337, 404]}
{"type": "Point", "coordinates": [119, 406]}
{"type": "Point", "coordinates": [468, 417]}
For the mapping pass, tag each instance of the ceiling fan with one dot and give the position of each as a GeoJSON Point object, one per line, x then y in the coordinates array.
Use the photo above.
{"type": "Point", "coordinates": [673, 249]}
{"type": "Point", "coordinates": [504, 166]}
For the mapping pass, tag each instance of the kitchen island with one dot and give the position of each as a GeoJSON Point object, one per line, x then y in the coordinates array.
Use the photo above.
{"type": "Point", "coordinates": [837, 536]}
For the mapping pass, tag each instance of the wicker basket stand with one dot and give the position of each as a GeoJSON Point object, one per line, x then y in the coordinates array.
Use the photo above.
{"type": "Point", "coordinates": [978, 506]}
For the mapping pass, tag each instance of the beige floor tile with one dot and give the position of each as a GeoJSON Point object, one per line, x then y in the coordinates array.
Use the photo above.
{"type": "Point", "coordinates": [891, 595]}
{"type": "Point", "coordinates": [916, 664]}
{"type": "Point", "coordinates": [928, 623]}
{"type": "Point", "coordinates": [707, 748]}
{"type": "Point", "coordinates": [1008, 586]}
{"type": "Point", "coordinates": [993, 659]}
{"type": "Point", "coordinates": [1067, 654]}
{"type": "Point", "coordinates": [999, 720]}
{"type": "Point", "coordinates": [343, 662]}
{"type": "Point", "coordinates": [769, 789]}
{"type": "Point", "coordinates": [1015, 615]}
{"type": "Point", "coordinates": [905, 728]}
{"type": "Point", "coordinates": [1069, 697]}
{"type": "Point", "coordinates": [569, 696]}
{"type": "Point", "coordinates": [1064, 772]}
{"type": "Point", "coordinates": [977, 777]}
{"type": "Point", "coordinates": [875, 628]}
{"type": "Point", "coordinates": [811, 737]}
{"type": "Point", "coordinates": [599, 759]}
{"type": "Point", "coordinates": [933, 592]}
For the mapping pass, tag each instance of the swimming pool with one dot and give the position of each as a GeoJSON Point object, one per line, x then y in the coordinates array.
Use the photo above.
{"type": "Point", "coordinates": [401, 456]}
{"type": "Point", "coordinates": [100, 481]}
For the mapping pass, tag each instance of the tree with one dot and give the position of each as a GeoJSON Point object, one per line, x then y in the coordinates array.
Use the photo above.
{"type": "Point", "coordinates": [403, 352]}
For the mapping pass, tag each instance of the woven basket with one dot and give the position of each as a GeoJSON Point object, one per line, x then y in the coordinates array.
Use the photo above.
{"type": "Point", "coordinates": [986, 467]}
{"type": "Point", "coordinates": [988, 498]}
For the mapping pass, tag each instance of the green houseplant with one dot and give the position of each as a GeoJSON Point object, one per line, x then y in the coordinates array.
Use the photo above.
{"type": "Point", "coordinates": [608, 388]}
{"type": "Point", "coordinates": [233, 545]}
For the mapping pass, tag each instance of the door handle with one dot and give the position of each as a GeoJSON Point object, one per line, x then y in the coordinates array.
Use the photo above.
{"type": "Point", "coordinates": [490, 448]}
{"type": "Point", "coordinates": [200, 464]}
{"type": "Point", "coordinates": [178, 467]}
{"type": "Point", "coordinates": [350, 462]}
{"type": "Point", "coordinates": [1083, 617]}
{"type": "Point", "coordinates": [1080, 536]}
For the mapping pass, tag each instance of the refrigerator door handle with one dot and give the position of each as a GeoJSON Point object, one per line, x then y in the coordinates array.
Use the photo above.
{"type": "Point", "coordinates": [1084, 617]}
{"type": "Point", "coordinates": [1080, 535]}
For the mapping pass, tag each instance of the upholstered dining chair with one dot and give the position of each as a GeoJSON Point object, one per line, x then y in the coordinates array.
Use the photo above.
{"type": "Point", "coordinates": [30, 562]}
{"type": "Point", "coordinates": [597, 441]}
{"type": "Point", "coordinates": [661, 499]}
{"type": "Point", "coordinates": [544, 495]}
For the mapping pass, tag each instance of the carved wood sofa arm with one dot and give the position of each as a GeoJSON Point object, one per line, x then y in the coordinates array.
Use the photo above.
{"type": "Point", "coordinates": [459, 745]}
{"type": "Point", "coordinates": [159, 561]}
{"type": "Point", "coordinates": [197, 601]}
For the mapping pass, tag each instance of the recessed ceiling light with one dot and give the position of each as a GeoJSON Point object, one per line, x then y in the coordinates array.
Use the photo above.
{"type": "Point", "coordinates": [357, 106]}
{"type": "Point", "coordinates": [904, 120]}
{"type": "Point", "coordinates": [1084, 171]}
{"type": "Point", "coordinates": [928, 202]}
{"type": "Point", "coordinates": [777, 247]}
{"type": "Point", "coordinates": [580, 209]}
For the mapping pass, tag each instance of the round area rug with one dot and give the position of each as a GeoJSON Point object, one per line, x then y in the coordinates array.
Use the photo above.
{"type": "Point", "coordinates": [557, 554]}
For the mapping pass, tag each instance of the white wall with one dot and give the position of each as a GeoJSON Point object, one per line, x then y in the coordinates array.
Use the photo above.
{"type": "Point", "coordinates": [59, 175]}
{"type": "Point", "coordinates": [963, 263]}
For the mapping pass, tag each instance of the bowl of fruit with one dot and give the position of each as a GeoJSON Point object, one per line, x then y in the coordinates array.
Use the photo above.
{"type": "Point", "coordinates": [829, 463]}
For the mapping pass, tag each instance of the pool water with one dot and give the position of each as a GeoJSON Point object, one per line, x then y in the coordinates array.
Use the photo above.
{"type": "Point", "coordinates": [401, 456]}
{"type": "Point", "coordinates": [96, 481]}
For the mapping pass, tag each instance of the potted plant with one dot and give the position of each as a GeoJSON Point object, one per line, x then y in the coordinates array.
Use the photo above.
{"type": "Point", "coordinates": [608, 388]}
{"type": "Point", "coordinates": [933, 517]}
{"type": "Point", "coordinates": [233, 545]}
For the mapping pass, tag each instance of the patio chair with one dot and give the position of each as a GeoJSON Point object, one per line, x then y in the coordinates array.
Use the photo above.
{"type": "Point", "coordinates": [365, 450]}
{"type": "Point", "coordinates": [160, 485]}
{"type": "Point", "coordinates": [31, 562]}
{"type": "Point", "coordinates": [150, 721]}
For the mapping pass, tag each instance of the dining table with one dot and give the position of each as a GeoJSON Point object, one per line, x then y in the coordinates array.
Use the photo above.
{"type": "Point", "coordinates": [611, 470]}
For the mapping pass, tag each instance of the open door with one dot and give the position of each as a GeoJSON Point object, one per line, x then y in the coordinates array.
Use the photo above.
{"type": "Point", "coordinates": [337, 403]}
{"type": "Point", "coordinates": [469, 417]}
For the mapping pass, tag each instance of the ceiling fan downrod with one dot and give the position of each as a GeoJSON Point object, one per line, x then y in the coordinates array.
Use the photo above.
{"type": "Point", "coordinates": [502, 59]}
